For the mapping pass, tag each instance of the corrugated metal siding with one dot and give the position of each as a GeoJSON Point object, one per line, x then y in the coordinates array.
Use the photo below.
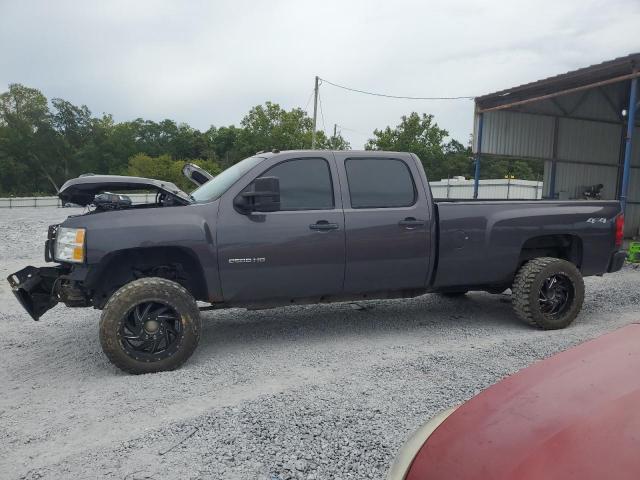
{"type": "Point", "coordinates": [517, 134]}
{"type": "Point", "coordinates": [585, 141]}
{"type": "Point", "coordinates": [594, 104]}
{"type": "Point", "coordinates": [572, 178]}
{"type": "Point", "coordinates": [635, 156]}
{"type": "Point", "coordinates": [591, 104]}
{"type": "Point", "coordinates": [525, 135]}
{"type": "Point", "coordinates": [632, 221]}
{"type": "Point", "coordinates": [634, 185]}
{"type": "Point", "coordinates": [543, 107]}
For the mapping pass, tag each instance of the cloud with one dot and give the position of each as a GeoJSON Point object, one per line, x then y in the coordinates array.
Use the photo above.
{"type": "Point", "coordinates": [209, 62]}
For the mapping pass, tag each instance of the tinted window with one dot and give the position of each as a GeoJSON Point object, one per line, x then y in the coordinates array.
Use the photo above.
{"type": "Point", "coordinates": [305, 184]}
{"type": "Point", "coordinates": [379, 183]}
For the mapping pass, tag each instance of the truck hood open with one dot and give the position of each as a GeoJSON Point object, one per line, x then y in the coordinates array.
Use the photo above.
{"type": "Point", "coordinates": [83, 189]}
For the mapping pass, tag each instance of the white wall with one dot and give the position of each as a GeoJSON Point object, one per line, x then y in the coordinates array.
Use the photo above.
{"type": "Point", "coordinates": [488, 189]}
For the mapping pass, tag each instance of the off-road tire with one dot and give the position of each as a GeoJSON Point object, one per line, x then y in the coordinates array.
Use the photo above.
{"type": "Point", "coordinates": [149, 290]}
{"type": "Point", "coordinates": [526, 290]}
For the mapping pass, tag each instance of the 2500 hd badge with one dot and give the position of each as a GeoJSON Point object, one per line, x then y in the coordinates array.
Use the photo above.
{"type": "Point", "coordinates": [248, 260]}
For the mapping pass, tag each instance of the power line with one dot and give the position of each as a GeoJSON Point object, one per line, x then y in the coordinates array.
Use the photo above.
{"type": "Point", "coordinates": [316, 91]}
{"type": "Point", "coordinates": [324, 80]}
{"type": "Point", "coordinates": [342, 127]}
{"type": "Point", "coordinates": [324, 128]}
{"type": "Point", "coordinates": [308, 101]}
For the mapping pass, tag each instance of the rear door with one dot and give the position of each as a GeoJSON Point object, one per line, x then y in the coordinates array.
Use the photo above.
{"type": "Point", "coordinates": [297, 252]}
{"type": "Point", "coordinates": [387, 222]}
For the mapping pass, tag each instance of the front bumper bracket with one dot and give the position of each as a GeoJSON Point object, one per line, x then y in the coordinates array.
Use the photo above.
{"type": "Point", "coordinates": [34, 288]}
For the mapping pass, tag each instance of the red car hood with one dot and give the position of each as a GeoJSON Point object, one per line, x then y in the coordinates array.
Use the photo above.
{"type": "Point", "coordinates": [575, 415]}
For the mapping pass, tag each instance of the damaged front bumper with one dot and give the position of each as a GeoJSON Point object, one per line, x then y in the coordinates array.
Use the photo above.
{"type": "Point", "coordinates": [34, 287]}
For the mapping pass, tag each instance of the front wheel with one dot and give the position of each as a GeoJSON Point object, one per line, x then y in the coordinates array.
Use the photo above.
{"type": "Point", "coordinates": [548, 293]}
{"type": "Point", "coordinates": [150, 325]}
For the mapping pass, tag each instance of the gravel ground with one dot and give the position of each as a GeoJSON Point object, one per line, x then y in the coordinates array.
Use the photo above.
{"type": "Point", "coordinates": [322, 392]}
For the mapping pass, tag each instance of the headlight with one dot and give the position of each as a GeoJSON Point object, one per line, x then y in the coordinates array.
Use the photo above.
{"type": "Point", "coordinates": [70, 245]}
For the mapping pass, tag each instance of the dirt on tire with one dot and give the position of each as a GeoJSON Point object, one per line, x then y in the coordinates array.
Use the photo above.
{"type": "Point", "coordinates": [146, 290]}
{"type": "Point", "coordinates": [526, 288]}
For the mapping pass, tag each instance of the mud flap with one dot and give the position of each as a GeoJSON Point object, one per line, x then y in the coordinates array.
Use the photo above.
{"type": "Point", "coordinates": [33, 287]}
{"type": "Point", "coordinates": [617, 261]}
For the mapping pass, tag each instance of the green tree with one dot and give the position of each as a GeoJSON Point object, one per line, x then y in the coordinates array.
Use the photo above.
{"type": "Point", "coordinates": [222, 145]}
{"type": "Point", "coordinates": [421, 135]}
{"type": "Point", "coordinates": [28, 141]}
{"type": "Point", "coordinates": [457, 161]}
{"type": "Point", "coordinates": [73, 125]}
{"type": "Point", "coordinates": [42, 145]}
{"type": "Point", "coordinates": [165, 168]}
{"type": "Point", "coordinates": [494, 167]}
{"type": "Point", "coordinates": [269, 126]}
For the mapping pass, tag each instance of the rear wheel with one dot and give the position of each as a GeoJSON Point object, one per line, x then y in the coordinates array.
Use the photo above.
{"type": "Point", "coordinates": [548, 293]}
{"type": "Point", "coordinates": [150, 325]}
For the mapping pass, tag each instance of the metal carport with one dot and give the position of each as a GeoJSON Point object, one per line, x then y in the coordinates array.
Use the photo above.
{"type": "Point", "coordinates": [581, 124]}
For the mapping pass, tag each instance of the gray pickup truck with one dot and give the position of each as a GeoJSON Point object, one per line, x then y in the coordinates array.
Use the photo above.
{"type": "Point", "coordinates": [295, 227]}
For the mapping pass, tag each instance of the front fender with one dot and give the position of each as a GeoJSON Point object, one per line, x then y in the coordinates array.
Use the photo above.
{"type": "Point", "coordinates": [183, 227]}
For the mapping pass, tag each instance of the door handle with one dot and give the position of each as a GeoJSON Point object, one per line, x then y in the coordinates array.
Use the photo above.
{"type": "Point", "coordinates": [323, 226]}
{"type": "Point", "coordinates": [411, 223]}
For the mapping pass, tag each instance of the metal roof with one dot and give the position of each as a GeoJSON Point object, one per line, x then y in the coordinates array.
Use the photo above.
{"type": "Point", "coordinates": [611, 71]}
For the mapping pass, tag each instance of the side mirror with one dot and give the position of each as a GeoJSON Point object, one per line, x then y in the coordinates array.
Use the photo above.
{"type": "Point", "coordinates": [263, 196]}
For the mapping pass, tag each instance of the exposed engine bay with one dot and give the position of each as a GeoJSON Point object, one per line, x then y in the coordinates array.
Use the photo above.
{"type": "Point", "coordinates": [107, 202]}
{"type": "Point", "coordinates": [111, 201]}
{"type": "Point", "coordinates": [95, 193]}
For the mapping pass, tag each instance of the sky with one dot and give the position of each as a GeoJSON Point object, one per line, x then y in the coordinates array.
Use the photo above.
{"type": "Point", "coordinates": [208, 62]}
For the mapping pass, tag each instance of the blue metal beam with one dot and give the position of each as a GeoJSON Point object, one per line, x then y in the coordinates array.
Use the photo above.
{"type": "Point", "coordinates": [554, 159]}
{"type": "Point", "coordinates": [476, 182]}
{"type": "Point", "coordinates": [631, 116]}
{"type": "Point", "coordinates": [552, 179]}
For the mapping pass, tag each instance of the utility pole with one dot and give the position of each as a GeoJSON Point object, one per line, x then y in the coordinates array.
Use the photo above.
{"type": "Point", "coordinates": [335, 129]}
{"type": "Point", "coordinates": [315, 113]}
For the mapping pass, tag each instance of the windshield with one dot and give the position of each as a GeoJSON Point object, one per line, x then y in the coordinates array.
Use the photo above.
{"type": "Point", "coordinates": [215, 187]}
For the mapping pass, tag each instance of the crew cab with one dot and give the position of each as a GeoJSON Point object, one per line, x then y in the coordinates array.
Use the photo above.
{"type": "Point", "coordinates": [294, 227]}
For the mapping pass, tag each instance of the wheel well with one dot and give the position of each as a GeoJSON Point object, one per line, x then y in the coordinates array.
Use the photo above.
{"type": "Point", "coordinates": [173, 263]}
{"type": "Point", "coordinates": [566, 247]}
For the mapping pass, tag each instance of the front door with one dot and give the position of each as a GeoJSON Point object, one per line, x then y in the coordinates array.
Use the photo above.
{"type": "Point", "coordinates": [386, 218]}
{"type": "Point", "coordinates": [297, 252]}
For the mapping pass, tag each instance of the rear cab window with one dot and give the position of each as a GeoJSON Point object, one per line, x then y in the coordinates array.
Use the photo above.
{"type": "Point", "coordinates": [380, 183]}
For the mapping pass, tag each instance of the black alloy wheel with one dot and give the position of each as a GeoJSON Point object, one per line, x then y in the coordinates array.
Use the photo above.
{"type": "Point", "coordinates": [548, 292]}
{"type": "Point", "coordinates": [556, 295]}
{"type": "Point", "coordinates": [150, 325]}
{"type": "Point", "coordinates": [151, 331]}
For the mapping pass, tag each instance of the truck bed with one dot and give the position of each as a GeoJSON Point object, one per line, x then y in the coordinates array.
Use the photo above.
{"type": "Point", "coordinates": [484, 239]}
